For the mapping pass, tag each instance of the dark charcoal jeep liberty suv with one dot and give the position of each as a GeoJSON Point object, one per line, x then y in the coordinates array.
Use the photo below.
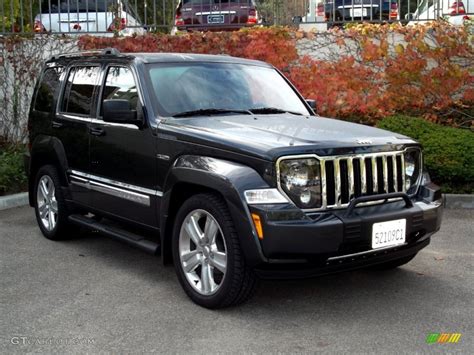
{"type": "Point", "coordinates": [221, 167]}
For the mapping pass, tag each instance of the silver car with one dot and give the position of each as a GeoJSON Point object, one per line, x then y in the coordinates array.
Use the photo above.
{"type": "Point", "coordinates": [104, 17]}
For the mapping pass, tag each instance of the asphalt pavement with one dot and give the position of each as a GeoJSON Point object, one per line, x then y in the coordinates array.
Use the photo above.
{"type": "Point", "coordinates": [94, 294]}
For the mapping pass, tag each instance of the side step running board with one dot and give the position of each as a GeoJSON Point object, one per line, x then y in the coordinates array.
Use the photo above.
{"type": "Point", "coordinates": [116, 233]}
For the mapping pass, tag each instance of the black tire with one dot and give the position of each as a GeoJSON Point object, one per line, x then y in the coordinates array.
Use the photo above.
{"type": "Point", "coordinates": [239, 282]}
{"type": "Point", "coordinates": [62, 229]}
{"type": "Point", "coordinates": [393, 264]}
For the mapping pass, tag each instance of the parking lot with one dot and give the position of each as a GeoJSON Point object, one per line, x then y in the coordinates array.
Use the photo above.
{"type": "Point", "coordinates": [93, 294]}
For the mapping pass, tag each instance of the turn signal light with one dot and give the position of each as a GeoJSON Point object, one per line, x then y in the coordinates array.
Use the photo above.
{"type": "Point", "coordinates": [258, 225]}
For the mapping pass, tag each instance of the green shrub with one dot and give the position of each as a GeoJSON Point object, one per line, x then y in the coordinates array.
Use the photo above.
{"type": "Point", "coordinates": [448, 152]}
{"type": "Point", "coordinates": [12, 172]}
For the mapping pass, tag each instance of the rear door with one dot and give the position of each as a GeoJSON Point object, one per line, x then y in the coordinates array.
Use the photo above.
{"type": "Point", "coordinates": [75, 111]}
{"type": "Point", "coordinates": [123, 162]}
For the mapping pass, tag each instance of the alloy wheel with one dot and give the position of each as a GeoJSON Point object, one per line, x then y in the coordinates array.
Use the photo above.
{"type": "Point", "coordinates": [202, 252]}
{"type": "Point", "coordinates": [47, 203]}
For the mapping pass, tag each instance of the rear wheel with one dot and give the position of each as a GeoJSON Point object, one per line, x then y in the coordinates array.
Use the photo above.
{"type": "Point", "coordinates": [207, 255]}
{"type": "Point", "coordinates": [394, 263]}
{"type": "Point", "coordinates": [50, 207]}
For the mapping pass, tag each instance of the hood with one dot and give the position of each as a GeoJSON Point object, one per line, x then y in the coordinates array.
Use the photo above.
{"type": "Point", "coordinates": [271, 136]}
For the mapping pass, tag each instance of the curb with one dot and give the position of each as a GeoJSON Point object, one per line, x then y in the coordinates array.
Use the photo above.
{"type": "Point", "coordinates": [11, 201]}
{"type": "Point", "coordinates": [455, 201]}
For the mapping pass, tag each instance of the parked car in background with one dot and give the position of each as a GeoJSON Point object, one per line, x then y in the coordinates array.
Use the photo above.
{"type": "Point", "coordinates": [454, 11]}
{"type": "Point", "coordinates": [205, 15]}
{"type": "Point", "coordinates": [86, 16]}
{"type": "Point", "coordinates": [358, 10]}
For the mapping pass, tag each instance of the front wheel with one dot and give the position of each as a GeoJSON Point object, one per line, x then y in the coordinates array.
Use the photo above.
{"type": "Point", "coordinates": [207, 254]}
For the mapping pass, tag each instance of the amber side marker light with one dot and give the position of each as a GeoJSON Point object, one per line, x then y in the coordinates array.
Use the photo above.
{"type": "Point", "coordinates": [258, 225]}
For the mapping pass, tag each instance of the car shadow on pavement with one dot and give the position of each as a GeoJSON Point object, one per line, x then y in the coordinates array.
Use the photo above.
{"type": "Point", "coordinates": [364, 289]}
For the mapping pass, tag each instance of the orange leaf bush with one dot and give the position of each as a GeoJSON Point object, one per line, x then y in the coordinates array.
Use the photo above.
{"type": "Point", "coordinates": [376, 71]}
{"type": "Point", "coordinates": [276, 46]}
{"type": "Point", "coordinates": [424, 70]}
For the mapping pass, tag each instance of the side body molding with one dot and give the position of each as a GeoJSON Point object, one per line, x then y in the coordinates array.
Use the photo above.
{"type": "Point", "coordinates": [228, 178]}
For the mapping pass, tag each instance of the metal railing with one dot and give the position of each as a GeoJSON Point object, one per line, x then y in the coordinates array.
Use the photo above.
{"type": "Point", "coordinates": [128, 17]}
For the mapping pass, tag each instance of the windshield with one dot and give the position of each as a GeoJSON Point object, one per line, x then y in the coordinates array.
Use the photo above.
{"type": "Point", "coordinates": [180, 88]}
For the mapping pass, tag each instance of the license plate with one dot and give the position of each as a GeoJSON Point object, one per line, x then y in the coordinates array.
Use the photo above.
{"type": "Point", "coordinates": [358, 12]}
{"type": "Point", "coordinates": [387, 234]}
{"type": "Point", "coordinates": [215, 19]}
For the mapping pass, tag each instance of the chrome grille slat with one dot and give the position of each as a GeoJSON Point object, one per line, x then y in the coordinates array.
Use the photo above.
{"type": "Point", "coordinates": [363, 177]}
{"type": "Point", "coordinates": [375, 187]}
{"type": "Point", "coordinates": [337, 177]}
{"type": "Point", "coordinates": [324, 202]}
{"type": "Point", "coordinates": [350, 174]}
{"type": "Point", "coordinates": [395, 176]}
{"type": "Point", "coordinates": [403, 175]}
{"type": "Point", "coordinates": [385, 174]}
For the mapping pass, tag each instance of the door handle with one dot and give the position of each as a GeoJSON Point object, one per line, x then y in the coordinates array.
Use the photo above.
{"type": "Point", "coordinates": [56, 124]}
{"type": "Point", "coordinates": [97, 131]}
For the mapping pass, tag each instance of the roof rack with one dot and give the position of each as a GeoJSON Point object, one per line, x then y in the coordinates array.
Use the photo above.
{"type": "Point", "coordinates": [101, 52]}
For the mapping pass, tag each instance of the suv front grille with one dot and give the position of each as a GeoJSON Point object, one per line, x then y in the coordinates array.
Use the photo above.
{"type": "Point", "coordinates": [344, 178]}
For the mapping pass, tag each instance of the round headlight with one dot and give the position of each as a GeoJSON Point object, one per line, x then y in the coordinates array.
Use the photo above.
{"type": "Point", "coordinates": [412, 170]}
{"type": "Point", "coordinates": [300, 179]}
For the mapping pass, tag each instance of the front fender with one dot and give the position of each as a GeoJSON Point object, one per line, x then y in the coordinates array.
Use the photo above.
{"type": "Point", "coordinates": [230, 180]}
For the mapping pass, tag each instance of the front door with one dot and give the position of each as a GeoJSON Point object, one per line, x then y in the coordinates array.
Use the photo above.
{"type": "Point", "coordinates": [123, 161]}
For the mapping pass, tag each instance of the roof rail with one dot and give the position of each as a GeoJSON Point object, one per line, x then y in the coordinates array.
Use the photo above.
{"type": "Point", "coordinates": [110, 51]}
{"type": "Point", "coordinates": [98, 52]}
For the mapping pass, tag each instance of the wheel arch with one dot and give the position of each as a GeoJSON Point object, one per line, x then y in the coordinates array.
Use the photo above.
{"type": "Point", "coordinates": [191, 175]}
{"type": "Point", "coordinates": [46, 150]}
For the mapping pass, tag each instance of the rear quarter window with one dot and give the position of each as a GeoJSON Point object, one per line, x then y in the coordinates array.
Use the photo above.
{"type": "Point", "coordinates": [48, 89]}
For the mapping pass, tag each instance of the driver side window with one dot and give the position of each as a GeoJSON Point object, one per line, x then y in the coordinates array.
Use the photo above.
{"type": "Point", "coordinates": [120, 85]}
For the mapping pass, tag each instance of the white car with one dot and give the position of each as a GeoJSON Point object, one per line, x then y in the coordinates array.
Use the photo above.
{"type": "Point", "coordinates": [454, 11]}
{"type": "Point", "coordinates": [99, 17]}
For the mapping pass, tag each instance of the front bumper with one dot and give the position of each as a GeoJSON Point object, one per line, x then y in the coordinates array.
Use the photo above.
{"type": "Point", "coordinates": [303, 244]}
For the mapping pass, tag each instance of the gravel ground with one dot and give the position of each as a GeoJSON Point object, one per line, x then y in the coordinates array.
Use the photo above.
{"type": "Point", "coordinates": [97, 295]}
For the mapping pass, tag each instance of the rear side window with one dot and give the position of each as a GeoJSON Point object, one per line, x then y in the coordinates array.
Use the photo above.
{"type": "Point", "coordinates": [79, 91]}
{"type": "Point", "coordinates": [47, 89]}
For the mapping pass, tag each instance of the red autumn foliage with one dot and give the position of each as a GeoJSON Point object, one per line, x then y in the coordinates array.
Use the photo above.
{"type": "Point", "coordinates": [383, 69]}
{"type": "Point", "coordinates": [273, 45]}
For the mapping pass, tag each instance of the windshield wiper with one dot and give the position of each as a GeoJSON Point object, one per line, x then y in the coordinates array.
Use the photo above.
{"type": "Point", "coordinates": [210, 112]}
{"type": "Point", "coordinates": [270, 110]}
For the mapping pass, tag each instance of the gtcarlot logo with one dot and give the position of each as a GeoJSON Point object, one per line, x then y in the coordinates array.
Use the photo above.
{"type": "Point", "coordinates": [24, 340]}
{"type": "Point", "coordinates": [443, 338]}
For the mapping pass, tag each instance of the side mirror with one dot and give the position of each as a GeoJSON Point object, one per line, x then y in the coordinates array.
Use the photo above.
{"type": "Point", "coordinates": [119, 111]}
{"type": "Point", "coordinates": [312, 104]}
